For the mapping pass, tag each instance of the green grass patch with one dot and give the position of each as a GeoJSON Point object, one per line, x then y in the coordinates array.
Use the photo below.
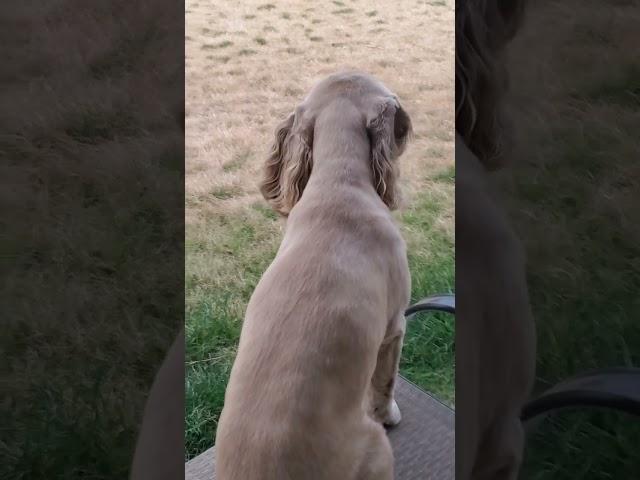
{"type": "Point", "coordinates": [266, 211]}
{"type": "Point", "coordinates": [428, 357]}
{"type": "Point", "coordinates": [219, 59]}
{"type": "Point", "coordinates": [342, 11]}
{"type": "Point", "coordinates": [584, 445]}
{"type": "Point", "coordinates": [237, 161]}
{"type": "Point", "coordinates": [292, 91]}
{"type": "Point", "coordinates": [571, 210]}
{"type": "Point", "coordinates": [225, 259]}
{"type": "Point", "coordinates": [213, 46]}
{"type": "Point", "coordinates": [212, 33]}
{"type": "Point", "coordinates": [622, 89]}
{"type": "Point", "coordinates": [96, 126]}
{"type": "Point", "coordinates": [446, 176]}
{"type": "Point", "coordinates": [224, 193]}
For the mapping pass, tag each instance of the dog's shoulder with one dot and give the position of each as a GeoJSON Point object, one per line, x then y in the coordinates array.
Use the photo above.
{"type": "Point", "coordinates": [481, 223]}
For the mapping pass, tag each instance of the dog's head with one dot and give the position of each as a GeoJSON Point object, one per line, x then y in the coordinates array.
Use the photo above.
{"type": "Point", "coordinates": [483, 30]}
{"type": "Point", "coordinates": [378, 110]}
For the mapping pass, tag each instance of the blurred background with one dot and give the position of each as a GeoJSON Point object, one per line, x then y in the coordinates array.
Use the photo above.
{"type": "Point", "coordinates": [573, 199]}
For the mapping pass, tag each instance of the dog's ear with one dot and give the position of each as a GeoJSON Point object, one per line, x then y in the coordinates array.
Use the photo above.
{"type": "Point", "coordinates": [389, 128]}
{"type": "Point", "coordinates": [289, 164]}
{"type": "Point", "coordinates": [483, 30]}
{"type": "Point", "coordinates": [511, 14]}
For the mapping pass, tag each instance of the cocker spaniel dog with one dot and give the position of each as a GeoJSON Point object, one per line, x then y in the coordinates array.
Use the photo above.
{"type": "Point", "coordinates": [312, 384]}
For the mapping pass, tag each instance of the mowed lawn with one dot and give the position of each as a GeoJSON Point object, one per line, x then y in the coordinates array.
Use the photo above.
{"type": "Point", "coordinates": [248, 65]}
{"type": "Point", "coordinates": [573, 198]}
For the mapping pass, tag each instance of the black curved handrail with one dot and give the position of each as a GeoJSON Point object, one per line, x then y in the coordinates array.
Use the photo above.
{"type": "Point", "coordinates": [435, 303]}
{"type": "Point", "coordinates": [612, 388]}
{"type": "Point", "coordinates": [578, 398]}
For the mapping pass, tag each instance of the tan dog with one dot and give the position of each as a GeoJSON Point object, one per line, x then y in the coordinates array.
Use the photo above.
{"type": "Point", "coordinates": [313, 380]}
{"type": "Point", "coordinates": [495, 334]}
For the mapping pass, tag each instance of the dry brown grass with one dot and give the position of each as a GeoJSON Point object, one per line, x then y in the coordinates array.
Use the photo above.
{"type": "Point", "coordinates": [249, 64]}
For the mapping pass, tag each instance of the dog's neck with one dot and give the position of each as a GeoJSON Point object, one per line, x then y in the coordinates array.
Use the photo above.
{"type": "Point", "coordinates": [341, 150]}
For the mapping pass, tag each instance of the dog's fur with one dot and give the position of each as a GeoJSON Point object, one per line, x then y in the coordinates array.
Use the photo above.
{"type": "Point", "coordinates": [495, 334]}
{"type": "Point", "coordinates": [312, 384]}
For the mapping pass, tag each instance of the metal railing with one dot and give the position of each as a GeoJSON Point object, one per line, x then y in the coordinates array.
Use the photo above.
{"type": "Point", "coordinates": [612, 388]}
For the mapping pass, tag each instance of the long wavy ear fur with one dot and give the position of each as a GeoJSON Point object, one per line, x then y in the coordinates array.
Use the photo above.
{"type": "Point", "coordinates": [288, 166]}
{"type": "Point", "coordinates": [389, 132]}
{"type": "Point", "coordinates": [483, 30]}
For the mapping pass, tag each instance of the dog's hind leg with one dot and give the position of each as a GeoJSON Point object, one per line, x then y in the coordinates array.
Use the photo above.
{"type": "Point", "coordinates": [384, 408]}
{"type": "Point", "coordinates": [500, 454]}
{"type": "Point", "coordinates": [377, 459]}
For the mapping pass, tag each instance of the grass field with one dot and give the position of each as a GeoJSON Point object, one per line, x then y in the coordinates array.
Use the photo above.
{"type": "Point", "coordinates": [573, 198]}
{"type": "Point", "coordinates": [91, 179]}
{"type": "Point", "coordinates": [248, 64]}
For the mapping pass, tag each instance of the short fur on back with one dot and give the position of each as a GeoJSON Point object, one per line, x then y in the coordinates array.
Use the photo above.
{"type": "Point", "coordinates": [312, 383]}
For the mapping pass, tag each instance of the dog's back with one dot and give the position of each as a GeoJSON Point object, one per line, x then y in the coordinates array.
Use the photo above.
{"type": "Point", "coordinates": [495, 334]}
{"type": "Point", "coordinates": [322, 334]}
{"type": "Point", "coordinates": [306, 356]}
